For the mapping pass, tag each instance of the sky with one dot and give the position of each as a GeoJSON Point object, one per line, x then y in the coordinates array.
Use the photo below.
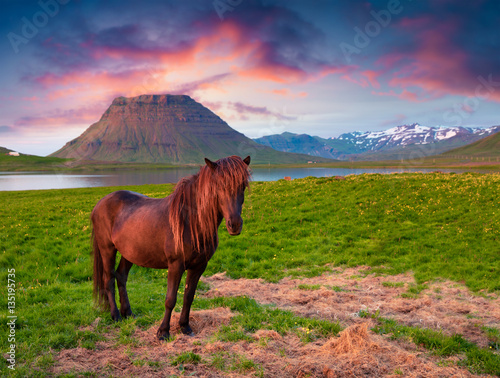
{"type": "Point", "coordinates": [317, 67]}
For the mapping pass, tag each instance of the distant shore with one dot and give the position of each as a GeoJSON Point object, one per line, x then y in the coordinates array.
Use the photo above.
{"type": "Point", "coordinates": [40, 164]}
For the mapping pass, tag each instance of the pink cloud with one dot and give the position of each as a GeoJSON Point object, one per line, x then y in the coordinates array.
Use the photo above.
{"type": "Point", "coordinates": [413, 24]}
{"type": "Point", "coordinates": [244, 110]}
{"type": "Point", "coordinates": [226, 44]}
{"type": "Point", "coordinates": [57, 118]}
{"type": "Point", "coordinates": [404, 95]}
{"type": "Point", "coordinates": [285, 92]}
{"type": "Point", "coordinates": [372, 77]}
{"type": "Point", "coordinates": [367, 78]}
{"type": "Point", "coordinates": [397, 120]}
{"type": "Point", "coordinates": [434, 69]}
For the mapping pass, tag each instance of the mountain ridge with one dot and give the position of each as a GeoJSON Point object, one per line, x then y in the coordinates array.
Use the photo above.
{"type": "Point", "coordinates": [405, 141]}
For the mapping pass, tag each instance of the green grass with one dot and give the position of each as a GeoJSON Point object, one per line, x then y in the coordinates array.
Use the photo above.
{"type": "Point", "coordinates": [29, 163]}
{"type": "Point", "coordinates": [186, 358]}
{"type": "Point", "coordinates": [436, 226]}
{"type": "Point", "coordinates": [227, 362]}
{"type": "Point", "coordinates": [493, 335]}
{"type": "Point", "coordinates": [392, 284]}
{"type": "Point", "coordinates": [414, 291]}
{"type": "Point", "coordinates": [308, 287]}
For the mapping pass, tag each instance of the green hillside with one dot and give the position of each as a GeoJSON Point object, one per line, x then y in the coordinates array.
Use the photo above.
{"type": "Point", "coordinates": [487, 147]}
{"type": "Point", "coordinates": [4, 150]}
{"type": "Point", "coordinates": [28, 162]}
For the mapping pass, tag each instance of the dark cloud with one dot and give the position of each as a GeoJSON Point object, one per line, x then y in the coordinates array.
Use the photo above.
{"type": "Point", "coordinates": [191, 87]}
{"type": "Point", "coordinates": [96, 36]}
{"type": "Point", "coordinates": [243, 110]}
{"type": "Point", "coordinates": [6, 130]}
{"type": "Point", "coordinates": [54, 118]}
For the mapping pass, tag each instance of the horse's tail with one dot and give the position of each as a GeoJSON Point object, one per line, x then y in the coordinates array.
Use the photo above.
{"type": "Point", "coordinates": [100, 297]}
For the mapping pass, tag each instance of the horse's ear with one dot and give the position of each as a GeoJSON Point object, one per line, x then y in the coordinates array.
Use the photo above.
{"type": "Point", "coordinates": [247, 160]}
{"type": "Point", "coordinates": [211, 164]}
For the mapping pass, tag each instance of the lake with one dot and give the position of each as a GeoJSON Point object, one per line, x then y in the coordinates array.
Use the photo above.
{"type": "Point", "coordinates": [60, 180]}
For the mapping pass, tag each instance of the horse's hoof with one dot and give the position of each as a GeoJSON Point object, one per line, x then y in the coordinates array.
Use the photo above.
{"type": "Point", "coordinates": [187, 331]}
{"type": "Point", "coordinates": [116, 318]}
{"type": "Point", "coordinates": [164, 337]}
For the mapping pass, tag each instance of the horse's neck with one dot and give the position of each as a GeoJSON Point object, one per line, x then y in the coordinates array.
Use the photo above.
{"type": "Point", "coordinates": [195, 191]}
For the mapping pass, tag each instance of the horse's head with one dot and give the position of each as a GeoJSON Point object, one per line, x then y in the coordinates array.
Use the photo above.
{"type": "Point", "coordinates": [231, 179]}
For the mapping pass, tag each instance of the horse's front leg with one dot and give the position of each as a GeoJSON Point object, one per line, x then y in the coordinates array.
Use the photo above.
{"type": "Point", "coordinates": [175, 271]}
{"type": "Point", "coordinates": [193, 276]}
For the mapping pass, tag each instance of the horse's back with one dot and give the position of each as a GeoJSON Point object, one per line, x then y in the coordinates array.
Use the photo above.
{"type": "Point", "coordinates": [134, 224]}
{"type": "Point", "coordinates": [110, 205]}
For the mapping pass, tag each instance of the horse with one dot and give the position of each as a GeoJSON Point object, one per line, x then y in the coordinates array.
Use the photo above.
{"type": "Point", "coordinates": [178, 233]}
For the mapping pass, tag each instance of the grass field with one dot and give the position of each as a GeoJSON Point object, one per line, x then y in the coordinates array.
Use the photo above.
{"type": "Point", "coordinates": [29, 163]}
{"type": "Point", "coordinates": [437, 226]}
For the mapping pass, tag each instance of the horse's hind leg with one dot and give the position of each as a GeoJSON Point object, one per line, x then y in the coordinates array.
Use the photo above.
{"type": "Point", "coordinates": [108, 262]}
{"type": "Point", "coordinates": [121, 280]}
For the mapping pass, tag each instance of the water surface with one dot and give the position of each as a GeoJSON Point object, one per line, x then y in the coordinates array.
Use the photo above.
{"type": "Point", "coordinates": [61, 180]}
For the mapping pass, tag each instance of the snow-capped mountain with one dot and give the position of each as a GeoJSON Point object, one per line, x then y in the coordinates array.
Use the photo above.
{"type": "Point", "coordinates": [405, 135]}
{"type": "Point", "coordinates": [398, 142]}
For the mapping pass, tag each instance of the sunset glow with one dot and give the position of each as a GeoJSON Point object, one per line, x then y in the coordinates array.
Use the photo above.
{"type": "Point", "coordinates": [321, 68]}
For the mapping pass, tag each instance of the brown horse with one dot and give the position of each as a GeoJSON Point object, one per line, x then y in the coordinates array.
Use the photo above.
{"type": "Point", "coordinates": [178, 233]}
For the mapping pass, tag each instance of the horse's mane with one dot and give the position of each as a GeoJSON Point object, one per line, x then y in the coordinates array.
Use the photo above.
{"type": "Point", "coordinates": [194, 202]}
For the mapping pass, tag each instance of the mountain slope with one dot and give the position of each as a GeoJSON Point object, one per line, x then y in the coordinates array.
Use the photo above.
{"type": "Point", "coordinates": [404, 141]}
{"type": "Point", "coordinates": [4, 150]}
{"type": "Point", "coordinates": [310, 145]}
{"type": "Point", "coordinates": [489, 146]}
{"type": "Point", "coordinates": [303, 143]}
{"type": "Point", "coordinates": [166, 129]}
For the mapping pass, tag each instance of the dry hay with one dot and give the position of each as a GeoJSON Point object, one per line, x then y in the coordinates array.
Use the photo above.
{"type": "Point", "coordinates": [359, 352]}
{"type": "Point", "coordinates": [356, 352]}
{"type": "Point", "coordinates": [119, 359]}
{"type": "Point", "coordinates": [444, 306]}
{"type": "Point", "coordinates": [352, 340]}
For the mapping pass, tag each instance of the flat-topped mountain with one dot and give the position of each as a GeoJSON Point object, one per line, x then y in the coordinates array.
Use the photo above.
{"type": "Point", "coordinates": [166, 129]}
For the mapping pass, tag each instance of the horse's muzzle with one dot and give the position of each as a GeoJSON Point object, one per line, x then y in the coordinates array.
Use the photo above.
{"type": "Point", "coordinates": [234, 226]}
